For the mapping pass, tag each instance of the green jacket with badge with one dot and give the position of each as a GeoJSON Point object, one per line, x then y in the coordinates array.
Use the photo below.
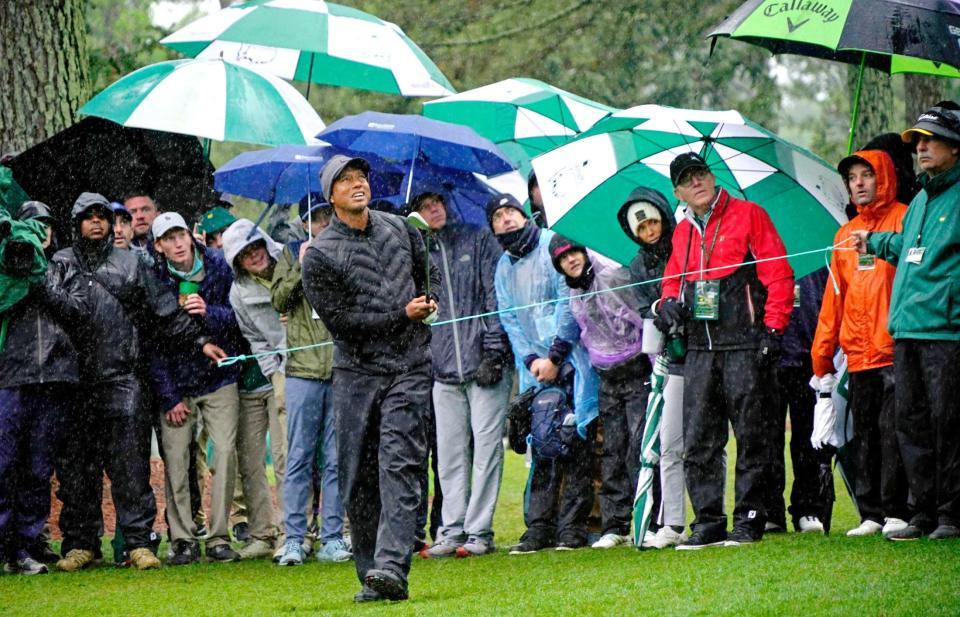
{"type": "Point", "coordinates": [286, 295]}
{"type": "Point", "coordinates": [926, 295]}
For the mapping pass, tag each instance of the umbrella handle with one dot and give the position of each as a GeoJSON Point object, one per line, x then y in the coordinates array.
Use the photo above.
{"type": "Point", "coordinates": [856, 104]}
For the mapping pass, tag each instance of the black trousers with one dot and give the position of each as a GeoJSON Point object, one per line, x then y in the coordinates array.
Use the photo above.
{"type": "Point", "coordinates": [108, 433]}
{"type": "Point", "coordinates": [381, 449]}
{"type": "Point", "coordinates": [559, 495]}
{"type": "Point", "coordinates": [433, 522]}
{"type": "Point", "coordinates": [881, 485]}
{"type": "Point", "coordinates": [721, 387]}
{"type": "Point", "coordinates": [797, 396]}
{"type": "Point", "coordinates": [928, 428]}
{"type": "Point", "coordinates": [623, 408]}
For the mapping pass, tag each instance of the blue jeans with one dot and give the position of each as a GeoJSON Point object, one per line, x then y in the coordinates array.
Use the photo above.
{"type": "Point", "coordinates": [310, 423]}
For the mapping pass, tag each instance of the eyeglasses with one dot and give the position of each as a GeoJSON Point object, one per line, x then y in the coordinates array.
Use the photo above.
{"type": "Point", "coordinates": [697, 174]}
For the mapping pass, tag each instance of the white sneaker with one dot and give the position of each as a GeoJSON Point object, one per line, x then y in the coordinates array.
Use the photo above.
{"type": "Point", "coordinates": [664, 538]}
{"type": "Point", "coordinates": [866, 528]}
{"type": "Point", "coordinates": [809, 524]}
{"type": "Point", "coordinates": [610, 540]}
{"type": "Point", "coordinates": [893, 525]}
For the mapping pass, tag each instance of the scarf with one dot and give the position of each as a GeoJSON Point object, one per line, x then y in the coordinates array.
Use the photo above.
{"type": "Point", "coordinates": [520, 242]}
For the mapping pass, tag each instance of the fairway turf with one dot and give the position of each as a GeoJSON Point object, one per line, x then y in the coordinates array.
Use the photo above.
{"type": "Point", "coordinates": [786, 574]}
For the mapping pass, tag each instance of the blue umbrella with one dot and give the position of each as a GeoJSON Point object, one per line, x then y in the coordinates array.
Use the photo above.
{"type": "Point", "coordinates": [465, 194]}
{"type": "Point", "coordinates": [285, 174]}
{"type": "Point", "coordinates": [414, 141]}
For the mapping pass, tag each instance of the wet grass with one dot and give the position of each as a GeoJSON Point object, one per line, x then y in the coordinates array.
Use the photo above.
{"type": "Point", "coordinates": [786, 574]}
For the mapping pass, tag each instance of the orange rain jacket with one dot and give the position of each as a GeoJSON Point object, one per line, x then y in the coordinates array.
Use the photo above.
{"type": "Point", "coordinates": [856, 317]}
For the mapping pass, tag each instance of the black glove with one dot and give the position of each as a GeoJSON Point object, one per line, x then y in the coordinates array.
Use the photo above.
{"type": "Point", "coordinates": [670, 314]}
{"type": "Point", "coordinates": [490, 371]}
{"type": "Point", "coordinates": [771, 348]}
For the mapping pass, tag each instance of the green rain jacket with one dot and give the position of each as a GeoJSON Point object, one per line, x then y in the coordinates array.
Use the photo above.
{"type": "Point", "coordinates": [926, 296]}
{"type": "Point", "coordinates": [25, 238]}
{"type": "Point", "coordinates": [286, 295]}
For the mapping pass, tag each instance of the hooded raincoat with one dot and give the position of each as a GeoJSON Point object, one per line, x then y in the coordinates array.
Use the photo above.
{"type": "Point", "coordinates": [250, 298]}
{"type": "Point", "coordinates": [650, 259]}
{"type": "Point", "coordinates": [611, 326]}
{"type": "Point", "coordinates": [854, 313]}
{"type": "Point", "coordinates": [531, 282]}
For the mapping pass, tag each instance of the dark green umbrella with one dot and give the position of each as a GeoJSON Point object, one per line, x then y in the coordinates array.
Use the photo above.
{"type": "Point", "coordinates": [895, 36]}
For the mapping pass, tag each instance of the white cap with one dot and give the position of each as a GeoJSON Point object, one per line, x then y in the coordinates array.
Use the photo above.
{"type": "Point", "coordinates": [167, 221]}
{"type": "Point", "coordinates": [639, 211]}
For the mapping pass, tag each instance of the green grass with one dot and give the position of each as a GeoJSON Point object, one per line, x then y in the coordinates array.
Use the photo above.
{"type": "Point", "coordinates": [786, 574]}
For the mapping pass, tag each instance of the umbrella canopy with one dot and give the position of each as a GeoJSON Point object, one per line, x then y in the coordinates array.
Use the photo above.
{"type": "Point", "coordinates": [11, 194]}
{"type": "Point", "coordinates": [285, 174]}
{"type": "Point", "coordinates": [649, 451]}
{"type": "Point", "coordinates": [466, 195]}
{"type": "Point", "coordinates": [314, 41]}
{"type": "Point", "coordinates": [585, 182]}
{"type": "Point", "coordinates": [412, 140]}
{"type": "Point", "coordinates": [209, 98]}
{"type": "Point", "coordinates": [895, 36]}
{"type": "Point", "coordinates": [524, 117]}
{"type": "Point", "coordinates": [101, 156]}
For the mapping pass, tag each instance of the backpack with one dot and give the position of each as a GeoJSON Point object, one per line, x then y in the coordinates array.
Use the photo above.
{"type": "Point", "coordinates": [553, 430]}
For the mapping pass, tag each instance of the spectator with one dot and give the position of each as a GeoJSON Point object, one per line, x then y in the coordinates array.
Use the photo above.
{"type": "Point", "coordinates": [213, 224]}
{"type": "Point", "coordinates": [189, 389]}
{"type": "Point", "coordinates": [38, 370]}
{"type": "Point", "coordinates": [611, 330]}
{"type": "Point", "coordinates": [144, 211]}
{"type": "Point", "coordinates": [470, 389]}
{"type": "Point", "coordinates": [365, 275]}
{"type": "Point", "coordinates": [123, 300]}
{"type": "Point", "coordinates": [310, 403]}
{"type": "Point", "coordinates": [739, 312]}
{"type": "Point", "coordinates": [536, 200]}
{"type": "Point", "coordinates": [648, 220]}
{"type": "Point", "coordinates": [543, 337]}
{"type": "Point", "coordinates": [122, 226]}
{"type": "Point", "coordinates": [854, 316]}
{"type": "Point", "coordinates": [39, 212]}
{"type": "Point", "coordinates": [926, 356]}
{"type": "Point", "coordinates": [253, 257]}
{"type": "Point", "coordinates": [793, 380]}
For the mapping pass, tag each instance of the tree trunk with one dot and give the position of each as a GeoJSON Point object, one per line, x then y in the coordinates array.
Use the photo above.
{"type": "Point", "coordinates": [876, 105]}
{"type": "Point", "coordinates": [43, 69]}
{"type": "Point", "coordinates": [921, 92]}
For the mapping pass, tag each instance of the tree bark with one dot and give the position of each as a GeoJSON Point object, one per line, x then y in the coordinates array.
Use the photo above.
{"type": "Point", "coordinates": [43, 69]}
{"type": "Point", "coordinates": [921, 92]}
{"type": "Point", "coordinates": [876, 105]}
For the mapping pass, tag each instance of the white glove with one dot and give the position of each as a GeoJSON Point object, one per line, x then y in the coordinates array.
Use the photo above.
{"type": "Point", "coordinates": [824, 413]}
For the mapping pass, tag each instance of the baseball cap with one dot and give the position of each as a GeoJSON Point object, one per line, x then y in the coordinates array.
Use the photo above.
{"type": "Point", "coordinates": [683, 163]}
{"type": "Point", "coordinates": [167, 221]}
{"type": "Point", "coordinates": [332, 169]}
{"type": "Point", "coordinates": [844, 165]}
{"type": "Point", "coordinates": [939, 121]}
{"type": "Point", "coordinates": [217, 218]}
{"type": "Point", "coordinates": [311, 203]}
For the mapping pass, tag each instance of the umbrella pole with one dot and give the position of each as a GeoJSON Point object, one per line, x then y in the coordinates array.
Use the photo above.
{"type": "Point", "coordinates": [413, 162]}
{"type": "Point", "coordinates": [309, 77]}
{"type": "Point", "coordinates": [856, 104]}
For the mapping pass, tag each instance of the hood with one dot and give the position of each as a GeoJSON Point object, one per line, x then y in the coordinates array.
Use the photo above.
{"type": "Point", "coordinates": [85, 202]}
{"type": "Point", "coordinates": [656, 198]}
{"type": "Point", "coordinates": [241, 234]}
{"type": "Point", "coordinates": [33, 210]}
{"type": "Point", "coordinates": [886, 174]}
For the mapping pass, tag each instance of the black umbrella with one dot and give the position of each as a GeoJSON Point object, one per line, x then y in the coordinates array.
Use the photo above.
{"type": "Point", "coordinates": [895, 36]}
{"type": "Point", "coordinates": [101, 156]}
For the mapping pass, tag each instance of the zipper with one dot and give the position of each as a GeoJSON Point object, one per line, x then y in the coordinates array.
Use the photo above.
{"type": "Point", "coordinates": [40, 346]}
{"type": "Point", "coordinates": [753, 317]}
{"type": "Point", "coordinates": [453, 312]}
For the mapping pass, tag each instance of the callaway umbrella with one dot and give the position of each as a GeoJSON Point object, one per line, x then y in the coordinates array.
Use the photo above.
{"type": "Point", "coordinates": [584, 182]}
{"type": "Point", "coordinates": [895, 36]}
{"type": "Point", "coordinates": [524, 117]}
{"type": "Point", "coordinates": [412, 141]}
{"type": "Point", "coordinates": [314, 41]}
{"type": "Point", "coordinates": [649, 451]}
{"type": "Point", "coordinates": [104, 157]}
{"type": "Point", "coordinates": [213, 99]}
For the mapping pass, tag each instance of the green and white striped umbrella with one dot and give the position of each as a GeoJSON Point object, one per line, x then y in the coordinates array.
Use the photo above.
{"type": "Point", "coordinates": [524, 117]}
{"type": "Point", "coordinates": [213, 99]}
{"type": "Point", "coordinates": [314, 41]}
{"type": "Point", "coordinates": [585, 182]}
{"type": "Point", "coordinates": [649, 451]}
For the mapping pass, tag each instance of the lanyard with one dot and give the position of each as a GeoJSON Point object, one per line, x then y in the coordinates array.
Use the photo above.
{"type": "Point", "coordinates": [713, 243]}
